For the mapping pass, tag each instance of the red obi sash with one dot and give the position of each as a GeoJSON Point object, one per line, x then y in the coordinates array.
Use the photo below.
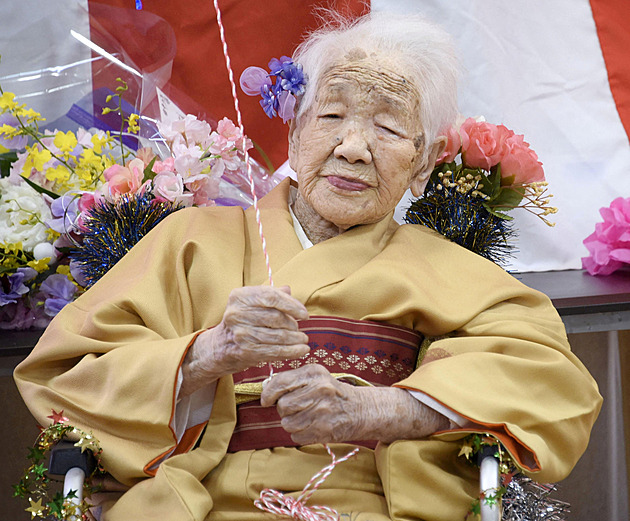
{"type": "Point", "coordinates": [381, 354]}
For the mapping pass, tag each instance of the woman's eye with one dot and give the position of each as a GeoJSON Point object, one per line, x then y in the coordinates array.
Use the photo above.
{"type": "Point", "coordinates": [389, 130]}
{"type": "Point", "coordinates": [331, 115]}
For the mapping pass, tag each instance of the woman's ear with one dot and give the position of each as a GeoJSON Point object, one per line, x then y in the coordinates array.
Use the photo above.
{"type": "Point", "coordinates": [422, 177]}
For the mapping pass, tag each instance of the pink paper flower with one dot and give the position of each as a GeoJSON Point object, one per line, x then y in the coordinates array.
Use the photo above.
{"type": "Point", "coordinates": [124, 179]}
{"type": "Point", "coordinates": [609, 244]}
{"type": "Point", "coordinates": [486, 143]}
{"type": "Point", "coordinates": [205, 191]}
{"type": "Point", "coordinates": [168, 186]}
{"type": "Point", "coordinates": [521, 162]}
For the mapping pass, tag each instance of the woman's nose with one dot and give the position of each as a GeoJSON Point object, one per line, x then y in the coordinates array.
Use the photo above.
{"type": "Point", "coordinates": [354, 147]}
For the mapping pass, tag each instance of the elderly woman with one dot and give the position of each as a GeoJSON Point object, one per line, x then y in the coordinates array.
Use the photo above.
{"type": "Point", "coordinates": [149, 357]}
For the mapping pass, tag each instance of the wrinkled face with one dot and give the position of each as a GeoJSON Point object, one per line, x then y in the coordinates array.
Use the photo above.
{"type": "Point", "coordinates": [361, 144]}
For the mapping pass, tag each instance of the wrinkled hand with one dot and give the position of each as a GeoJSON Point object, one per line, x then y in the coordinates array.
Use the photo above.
{"type": "Point", "coordinates": [316, 408]}
{"type": "Point", "coordinates": [259, 325]}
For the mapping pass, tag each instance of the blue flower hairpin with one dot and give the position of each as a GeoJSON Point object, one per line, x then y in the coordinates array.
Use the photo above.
{"type": "Point", "coordinates": [279, 98]}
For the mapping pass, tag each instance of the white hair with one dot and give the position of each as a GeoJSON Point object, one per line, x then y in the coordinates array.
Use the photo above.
{"type": "Point", "coordinates": [426, 49]}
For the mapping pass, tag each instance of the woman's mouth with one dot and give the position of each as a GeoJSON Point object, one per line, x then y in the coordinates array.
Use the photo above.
{"type": "Point", "coordinates": [347, 184]}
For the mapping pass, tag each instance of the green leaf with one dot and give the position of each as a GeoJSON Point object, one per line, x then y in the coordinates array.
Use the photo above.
{"type": "Point", "coordinates": [6, 160]}
{"type": "Point", "coordinates": [40, 189]}
{"type": "Point", "coordinates": [148, 170]}
{"type": "Point", "coordinates": [265, 158]}
{"type": "Point", "coordinates": [495, 212]}
{"type": "Point", "coordinates": [508, 198]}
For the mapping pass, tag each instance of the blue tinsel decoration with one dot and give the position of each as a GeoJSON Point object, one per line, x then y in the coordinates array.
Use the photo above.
{"type": "Point", "coordinates": [463, 219]}
{"type": "Point", "coordinates": [112, 229]}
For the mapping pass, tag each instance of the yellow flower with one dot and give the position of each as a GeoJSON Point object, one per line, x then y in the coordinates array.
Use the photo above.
{"type": "Point", "coordinates": [58, 174]}
{"type": "Point", "coordinates": [40, 265]}
{"type": "Point", "coordinates": [8, 131]}
{"type": "Point", "coordinates": [29, 114]}
{"type": "Point", "coordinates": [64, 269]}
{"type": "Point", "coordinates": [99, 142]}
{"type": "Point", "coordinates": [65, 141]}
{"type": "Point", "coordinates": [7, 102]}
{"type": "Point", "coordinates": [90, 158]}
{"type": "Point", "coordinates": [36, 159]}
{"type": "Point", "coordinates": [134, 128]}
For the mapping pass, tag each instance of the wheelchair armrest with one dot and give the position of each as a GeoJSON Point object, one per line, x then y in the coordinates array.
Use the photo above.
{"type": "Point", "coordinates": [65, 456]}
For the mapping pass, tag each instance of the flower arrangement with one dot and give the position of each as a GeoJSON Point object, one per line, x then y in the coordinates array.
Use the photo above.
{"type": "Point", "coordinates": [279, 98]}
{"type": "Point", "coordinates": [485, 171]}
{"type": "Point", "coordinates": [62, 193]}
{"type": "Point", "coordinates": [609, 244]}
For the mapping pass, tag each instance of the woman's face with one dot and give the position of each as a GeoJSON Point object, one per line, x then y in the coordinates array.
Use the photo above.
{"type": "Point", "coordinates": [361, 144]}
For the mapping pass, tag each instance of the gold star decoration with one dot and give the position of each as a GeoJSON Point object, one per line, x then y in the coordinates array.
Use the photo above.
{"type": "Point", "coordinates": [87, 441]}
{"type": "Point", "coordinates": [466, 450]}
{"type": "Point", "coordinates": [36, 508]}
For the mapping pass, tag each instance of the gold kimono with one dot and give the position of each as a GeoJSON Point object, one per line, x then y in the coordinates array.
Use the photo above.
{"type": "Point", "coordinates": [500, 359]}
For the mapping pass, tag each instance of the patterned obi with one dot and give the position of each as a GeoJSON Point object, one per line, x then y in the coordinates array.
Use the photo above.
{"type": "Point", "coordinates": [360, 352]}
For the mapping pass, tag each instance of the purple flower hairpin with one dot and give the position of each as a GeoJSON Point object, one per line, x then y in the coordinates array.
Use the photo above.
{"type": "Point", "coordinates": [279, 98]}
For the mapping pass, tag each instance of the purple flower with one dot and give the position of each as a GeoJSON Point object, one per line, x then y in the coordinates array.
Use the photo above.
{"type": "Point", "coordinates": [65, 210]}
{"type": "Point", "coordinates": [286, 106]}
{"type": "Point", "coordinates": [57, 291]}
{"type": "Point", "coordinates": [293, 79]}
{"type": "Point", "coordinates": [276, 66]}
{"type": "Point", "coordinates": [253, 79]}
{"type": "Point", "coordinates": [12, 287]}
{"type": "Point", "coordinates": [269, 101]}
{"type": "Point", "coordinates": [16, 143]}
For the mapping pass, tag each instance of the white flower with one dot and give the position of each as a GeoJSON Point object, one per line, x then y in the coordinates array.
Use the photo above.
{"type": "Point", "coordinates": [22, 215]}
{"type": "Point", "coordinates": [189, 131]}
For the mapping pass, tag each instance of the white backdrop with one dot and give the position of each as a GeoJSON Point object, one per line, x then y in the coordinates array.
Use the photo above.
{"type": "Point", "coordinates": [537, 67]}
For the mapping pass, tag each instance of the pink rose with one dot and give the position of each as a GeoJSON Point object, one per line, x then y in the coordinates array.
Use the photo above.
{"type": "Point", "coordinates": [486, 143]}
{"type": "Point", "coordinates": [521, 162]}
{"type": "Point", "coordinates": [453, 146]}
{"type": "Point", "coordinates": [124, 179]}
{"type": "Point", "coordinates": [168, 186]}
{"type": "Point", "coordinates": [609, 244]}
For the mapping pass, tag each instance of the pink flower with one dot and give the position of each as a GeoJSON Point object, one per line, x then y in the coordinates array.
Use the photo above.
{"type": "Point", "coordinates": [124, 179]}
{"type": "Point", "coordinates": [168, 165]}
{"type": "Point", "coordinates": [145, 154]}
{"type": "Point", "coordinates": [205, 190]}
{"type": "Point", "coordinates": [521, 162]}
{"type": "Point", "coordinates": [453, 146]}
{"type": "Point", "coordinates": [609, 244]}
{"type": "Point", "coordinates": [168, 186]}
{"type": "Point", "coordinates": [486, 143]}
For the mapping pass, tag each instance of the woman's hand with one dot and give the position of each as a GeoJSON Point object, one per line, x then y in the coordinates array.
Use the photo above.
{"type": "Point", "coordinates": [316, 408]}
{"type": "Point", "coordinates": [259, 325]}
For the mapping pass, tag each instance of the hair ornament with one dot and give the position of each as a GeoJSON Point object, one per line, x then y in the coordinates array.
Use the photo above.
{"type": "Point", "coordinates": [279, 96]}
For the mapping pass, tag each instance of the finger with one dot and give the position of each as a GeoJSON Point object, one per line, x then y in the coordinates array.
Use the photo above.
{"type": "Point", "coordinates": [273, 390]}
{"type": "Point", "coordinates": [258, 316]}
{"type": "Point", "coordinates": [260, 337]}
{"type": "Point", "coordinates": [269, 297]}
